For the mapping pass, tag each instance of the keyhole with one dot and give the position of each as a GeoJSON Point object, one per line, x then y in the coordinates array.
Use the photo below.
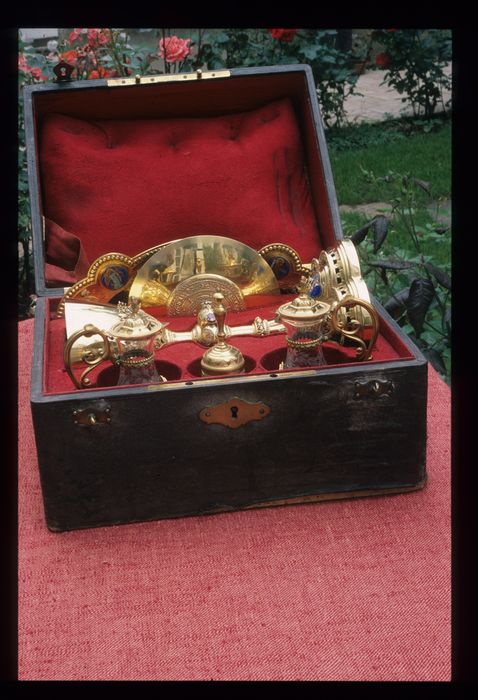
{"type": "Point", "coordinates": [234, 410]}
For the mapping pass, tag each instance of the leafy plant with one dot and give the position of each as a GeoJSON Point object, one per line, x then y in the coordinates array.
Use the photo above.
{"type": "Point", "coordinates": [229, 48]}
{"type": "Point", "coordinates": [414, 289]}
{"type": "Point", "coordinates": [415, 61]}
{"type": "Point", "coordinates": [32, 68]}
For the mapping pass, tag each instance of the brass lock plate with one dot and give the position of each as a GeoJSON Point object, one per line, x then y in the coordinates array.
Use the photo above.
{"type": "Point", "coordinates": [234, 413]}
{"type": "Point", "coordinates": [373, 389]}
{"type": "Point", "coordinates": [92, 416]}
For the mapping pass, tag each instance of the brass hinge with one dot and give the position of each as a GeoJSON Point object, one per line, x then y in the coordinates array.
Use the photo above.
{"type": "Point", "coordinates": [174, 78]}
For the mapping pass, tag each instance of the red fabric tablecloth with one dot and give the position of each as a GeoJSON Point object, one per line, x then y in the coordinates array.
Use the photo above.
{"type": "Point", "coordinates": [344, 590]}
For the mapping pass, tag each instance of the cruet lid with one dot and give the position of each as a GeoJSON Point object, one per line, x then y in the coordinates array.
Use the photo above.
{"type": "Point", "coordinates": [303, 310]}
{"type": "Point", "coordinates": [134, 324]}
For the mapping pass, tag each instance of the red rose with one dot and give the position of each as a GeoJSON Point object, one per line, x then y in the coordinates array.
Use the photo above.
{"type": "Point", "coordinates": [173, 49]}
{"type": "Point", "coordinates": [382, 60]}
{"type": "Point", "coordinates": [37, 74]}
{"type": "Point", "coordinates": [391, 30]}
{"type": "Point", "coordinates": [104, 36]}
{"type": "Point", "coordinates": [101, 72]}
{"type": "Point", "coordinates": [69, 56]}
{"type": "Point", "coordinates": [283, 34]}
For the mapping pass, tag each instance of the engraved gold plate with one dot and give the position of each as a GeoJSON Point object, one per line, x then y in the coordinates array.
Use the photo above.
{"type": "Point", "coordinates": [188, 296]}
{"type": "Point", "coordinates": [234, 413]}
{"type": "Point", "coordinates": [184, 273]}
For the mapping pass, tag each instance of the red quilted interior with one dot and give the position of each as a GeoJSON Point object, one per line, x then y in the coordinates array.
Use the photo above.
{"type": "Point", "coordinates": [127, 185]}
{"type": "Point", "coordinates": [181, 361]}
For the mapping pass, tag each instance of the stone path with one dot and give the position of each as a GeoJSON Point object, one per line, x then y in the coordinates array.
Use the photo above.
{"type": "Point", "coordinates": [440, 210]}
{"type": "Point", "coordinates": [377, 102]}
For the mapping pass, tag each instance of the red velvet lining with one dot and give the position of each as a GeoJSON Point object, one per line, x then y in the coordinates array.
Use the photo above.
{"type": "Point", "coordinates": [128, 185]}
{"type": "Point", "coordinates": [66, 261]}
{"type": "Point", "coordinates": [180, 361]}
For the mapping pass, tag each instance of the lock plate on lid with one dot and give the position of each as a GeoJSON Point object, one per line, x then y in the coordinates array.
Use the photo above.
{"type": "Point", "coordinates": [234, 413]}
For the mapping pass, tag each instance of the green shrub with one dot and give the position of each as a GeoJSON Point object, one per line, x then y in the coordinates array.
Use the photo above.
{"type": "Point", "coordinates": [415, 61]}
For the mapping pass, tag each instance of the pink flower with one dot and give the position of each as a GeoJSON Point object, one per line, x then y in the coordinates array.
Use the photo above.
{"type": "Point", "coordinates": [173, 49]}
{"type": "Point", "coordinates": [22, 64]}
{"type": "Point", "coordinates": [37, 74]}
{"type": "Point", "coordinates": [98, 37]}
{"type": "Point", "coordinates": [25, 68]}
{"type": "Point", "coordinates": [93, 36]}
{"type": "Point", "coordinates": [75, 34]}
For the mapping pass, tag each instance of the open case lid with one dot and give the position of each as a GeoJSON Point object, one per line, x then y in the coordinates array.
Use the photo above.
{"type": "Point", "coordinates": [121, 165]}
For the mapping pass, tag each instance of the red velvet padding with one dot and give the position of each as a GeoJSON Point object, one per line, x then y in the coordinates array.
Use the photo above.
{"type": "Point", "coordinates": [180, 361]}
{"type": "Point", "coordinates": [128, 185]}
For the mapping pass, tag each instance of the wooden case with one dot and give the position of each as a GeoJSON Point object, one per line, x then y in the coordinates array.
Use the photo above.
{"type": "Point", "coordinates": [346, 429]}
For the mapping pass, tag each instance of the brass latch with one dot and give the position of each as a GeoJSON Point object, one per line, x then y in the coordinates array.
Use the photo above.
{"type": "Point", "coordinates": [92, 416]}
{"type": "Point", "coordinates": [373, 389]}
{"type": "Point", "coordinates": [173, 78]}
{"type": "Point", "coordinates": [234, 413]}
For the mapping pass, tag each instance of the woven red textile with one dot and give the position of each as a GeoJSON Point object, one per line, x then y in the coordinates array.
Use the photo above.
{"type": "Point", "coordinates": [344, 590]}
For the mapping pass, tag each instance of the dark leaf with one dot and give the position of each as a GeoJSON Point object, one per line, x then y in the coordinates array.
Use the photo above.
{"type": "Point", "coordinates": [392, 264]}
{"type": "Point", "coordinates": [440, 275]}
{"type": "Point", "coordinates": [361, 234]}
{"type": "Point", "coordinates": [448, 319]}
{"type": "Point", "coordinates": [435, 359]}
{"type": "Point", "coordinates": [418, 341]}
{"type": "Point", "coordinates": [442, 229]}
{"type": "Point", "coordinates": [222, 38]}
{"type": "Point", "coordinates": [425, 186]}
{"type": "Point", "coordinates": [396, 304]}
{"type": "Point", "coordinates": [380, 230]}
{"type": "Point", "coordinates": [419, 299]}
{"type": "Point", "coordinates": [383, 275]}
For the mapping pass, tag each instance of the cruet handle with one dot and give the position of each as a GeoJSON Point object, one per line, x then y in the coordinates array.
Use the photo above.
{"type": "Point", "coordinates": [354, 326]}
{"type": "Point", "coordinates": [89, 357]}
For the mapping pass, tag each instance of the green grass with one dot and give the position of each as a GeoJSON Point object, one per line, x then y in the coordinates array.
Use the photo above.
{"type": "Point", "coordinates": [423, 156]}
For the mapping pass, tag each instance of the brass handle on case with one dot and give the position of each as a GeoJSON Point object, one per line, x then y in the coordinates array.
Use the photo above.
{"type": "Point", "coordinates": [89, 357]}
{"type": "Point", "coordinates": [364, 350]}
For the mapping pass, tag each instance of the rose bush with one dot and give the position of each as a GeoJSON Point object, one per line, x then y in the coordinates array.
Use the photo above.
{"type": "Point", "coordinates": [415, 62]}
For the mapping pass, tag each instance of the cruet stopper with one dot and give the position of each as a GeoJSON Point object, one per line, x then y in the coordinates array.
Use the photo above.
{"type": "Point", "coordinates": [221, 358]}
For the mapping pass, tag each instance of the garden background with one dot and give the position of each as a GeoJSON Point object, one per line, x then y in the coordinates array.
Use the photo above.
{"type": "Point", "coordinates": [393, 177]}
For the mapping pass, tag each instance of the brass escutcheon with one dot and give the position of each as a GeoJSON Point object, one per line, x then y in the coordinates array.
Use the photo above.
{"type": "Point", "coordinates": [234, 413]}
